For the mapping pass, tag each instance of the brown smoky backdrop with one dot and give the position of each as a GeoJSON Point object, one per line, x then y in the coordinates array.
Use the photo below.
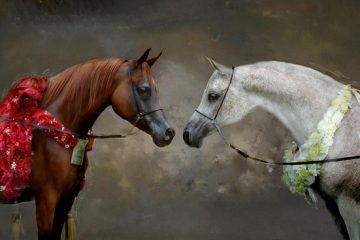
{"type": "Point", "coordinates": [136, 191]}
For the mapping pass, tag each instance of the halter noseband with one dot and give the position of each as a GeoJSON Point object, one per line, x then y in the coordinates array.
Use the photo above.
{"type": "Point", "coordinates": [140, 114]}
{"type": "Point", "coordinates": [222, 101]}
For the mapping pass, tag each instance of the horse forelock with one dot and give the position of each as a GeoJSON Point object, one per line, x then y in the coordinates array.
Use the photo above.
{"type": "Point", "coordinates": [142, 73]}
{"type": "Point", "coordinates": [83, 84]}
{"type": "Point", "coordinates": [149, 76]}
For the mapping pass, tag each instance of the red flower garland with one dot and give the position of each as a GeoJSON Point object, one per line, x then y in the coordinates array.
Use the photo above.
{"type": "Point", "coordinates": [22, 104]}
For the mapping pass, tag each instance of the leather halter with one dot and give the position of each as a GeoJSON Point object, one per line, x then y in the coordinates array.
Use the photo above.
{"type": "Point", "coordinates": [222, 100]}
{"type": "Point", "coordinates": [141, 114]}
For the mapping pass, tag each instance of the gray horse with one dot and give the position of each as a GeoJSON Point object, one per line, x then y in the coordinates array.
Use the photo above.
{"type": "Point", "coordinates": [298, 96]}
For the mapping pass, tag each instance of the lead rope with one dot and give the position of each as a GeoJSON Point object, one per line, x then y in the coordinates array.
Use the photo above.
{"type": "Point", "coordinates": [270, 162]}
{"type": "Point", "coordinates": [35, 126]}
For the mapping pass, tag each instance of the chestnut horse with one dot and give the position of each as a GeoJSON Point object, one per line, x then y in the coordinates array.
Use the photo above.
{"type": "Point", "coordinates": [76, 97]}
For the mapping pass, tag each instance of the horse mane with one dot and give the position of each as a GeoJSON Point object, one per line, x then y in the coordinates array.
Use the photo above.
{"type": "Point", "coordinates": [82, 85]}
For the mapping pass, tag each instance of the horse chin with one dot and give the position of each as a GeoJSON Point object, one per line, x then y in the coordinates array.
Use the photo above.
{"type": "Point", "coordinates": [194, 137]}
{"type": "Point", "coordinates": [161, 143]}
{"type": "Point", "coordinates": [196, 144]}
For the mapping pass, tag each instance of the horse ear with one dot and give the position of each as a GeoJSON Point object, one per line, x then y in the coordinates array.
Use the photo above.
{"type": "Point", "coordinates": [144, 56]}
{"type": "Point", "coordinates": [151, 61]}
{"type": "Point", "coordinates": [218, 66]}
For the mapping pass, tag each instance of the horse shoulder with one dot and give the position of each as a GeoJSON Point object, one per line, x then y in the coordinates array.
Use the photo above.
{"type": "Point", "coordinates": [344, 177]}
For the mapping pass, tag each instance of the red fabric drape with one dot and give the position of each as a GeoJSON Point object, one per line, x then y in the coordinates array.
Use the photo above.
{"type": "Point", "coordinates": [23, 104]}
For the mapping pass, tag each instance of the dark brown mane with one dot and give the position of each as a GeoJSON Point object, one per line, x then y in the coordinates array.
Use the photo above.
{"type": "Point", "coordinates": [81, 84]}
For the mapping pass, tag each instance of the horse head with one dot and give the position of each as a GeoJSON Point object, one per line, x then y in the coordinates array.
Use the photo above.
{"type": "Point", "coordinates": [219, 105]}
{"type": "Point", "coordinates": [136, 99]}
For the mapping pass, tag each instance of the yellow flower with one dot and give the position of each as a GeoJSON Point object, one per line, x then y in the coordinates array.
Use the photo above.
{"type": "Point", "coordinates": [315, 137]}
{"type": "Point", "coordinates": [313, 152]}
{"type": "Point", "coordinates": [344, 107]}
{"type": "Point", "coordinates": [331, 130]}
{"type": "Point", "coordinates": [336, 102]}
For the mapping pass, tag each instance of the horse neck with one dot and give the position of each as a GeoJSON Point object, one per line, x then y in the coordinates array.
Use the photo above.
{"type": "Point", "coordinates": [74, 115]}
{"type": "Point", "coordinates": [296, 95]}
{"type": "Point", "coordinates": [78, 105]}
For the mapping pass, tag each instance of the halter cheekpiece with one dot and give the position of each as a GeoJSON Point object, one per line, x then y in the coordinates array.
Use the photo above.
{"type": "Point", "coordinates": [141, 114]}
{"type": "Point", "coordinates": [222, 100]}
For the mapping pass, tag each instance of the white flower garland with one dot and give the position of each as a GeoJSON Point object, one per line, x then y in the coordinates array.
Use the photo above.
{"type": "Point", "coordinates": [299, 178]}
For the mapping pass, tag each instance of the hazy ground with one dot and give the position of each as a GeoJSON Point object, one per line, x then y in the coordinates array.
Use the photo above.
{"type": "Point", "coordinates": [136, 191]}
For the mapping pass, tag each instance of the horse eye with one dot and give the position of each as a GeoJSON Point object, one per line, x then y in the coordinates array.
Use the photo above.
{"type": "Point", "coordinates": [213, 97]}
{"type": "Point", "coordinates": [144, 91]}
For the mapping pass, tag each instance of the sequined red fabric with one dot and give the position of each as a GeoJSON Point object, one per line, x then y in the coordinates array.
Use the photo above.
{"type": "Point", "coordinates": [23, 104]}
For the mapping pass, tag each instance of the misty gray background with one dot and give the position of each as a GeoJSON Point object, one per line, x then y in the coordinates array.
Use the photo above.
{"type": "Point", "coordinates": [136, 191]}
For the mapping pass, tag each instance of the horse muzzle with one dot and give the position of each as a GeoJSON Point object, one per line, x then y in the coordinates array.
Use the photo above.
{"type": "Point", "coordinates": [195, 132]}
{"type": "Point", "coordinates": [165, 139]}
{"type": "Point", "coordinates": [161, 131]}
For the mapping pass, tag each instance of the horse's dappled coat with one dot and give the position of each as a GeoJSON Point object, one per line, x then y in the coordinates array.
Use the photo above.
{"type": "Point", "coordinates": [23, 105]}
{"type": "Point", "coordinates": [298, 97]}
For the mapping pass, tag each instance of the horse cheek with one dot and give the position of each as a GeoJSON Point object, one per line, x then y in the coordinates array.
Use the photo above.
{"type": "Point", "coordinates": [122, 104]}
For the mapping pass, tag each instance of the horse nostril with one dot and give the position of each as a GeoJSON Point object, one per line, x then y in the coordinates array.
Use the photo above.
{"type": "Point", "coordinates": [186, 136]}
{"type": "Point", "coordinates": [170, 133]}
